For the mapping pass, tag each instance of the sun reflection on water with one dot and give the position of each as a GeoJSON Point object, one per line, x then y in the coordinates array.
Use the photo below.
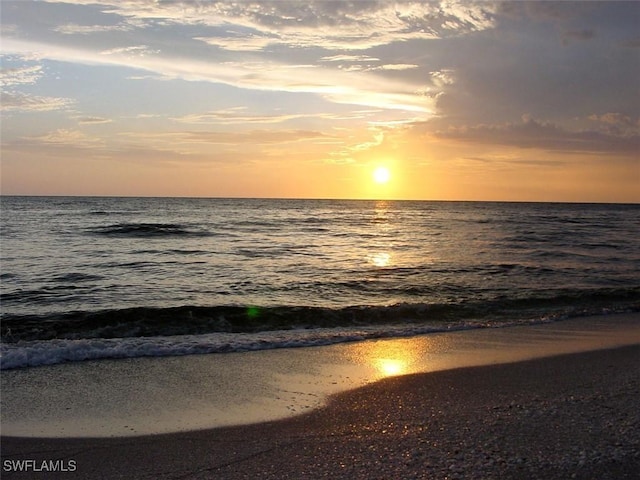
{"type": "Point", "coordinates": [380, 259]}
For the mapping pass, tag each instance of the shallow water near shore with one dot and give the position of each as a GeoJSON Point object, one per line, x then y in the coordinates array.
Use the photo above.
{"type": "Point", "coordinates": [160, 395]}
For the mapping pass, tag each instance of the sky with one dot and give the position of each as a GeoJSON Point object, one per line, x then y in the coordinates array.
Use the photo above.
{"type": "Point", "coordinates": [516, 101]}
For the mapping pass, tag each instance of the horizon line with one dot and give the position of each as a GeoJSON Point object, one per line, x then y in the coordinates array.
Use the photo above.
{"type": "Point", "coordinates": [583, 202]}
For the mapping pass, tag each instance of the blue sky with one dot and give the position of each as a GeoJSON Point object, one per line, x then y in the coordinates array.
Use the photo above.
{"type": "Point", "coordinates": [459, 100]}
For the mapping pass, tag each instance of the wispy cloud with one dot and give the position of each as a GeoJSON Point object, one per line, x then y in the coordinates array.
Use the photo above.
{"type": "Point", "coordinates": [135, 50]}
{"type": "Point", "coordinates": [618, 124]}
{"type": "Point", "coordinates": [75, 29]}
{"type": "Point", "coordinates": [17, 101]}
{"type": "Point", "coordinates": [234, 116]}
{"type": "Point", "coordinates": [356, 67]}
{"type": "Point", "coordinates": [14, 100]}
{"type": "Point", "coordinates": [355, 88]}
{"type": "Point", "coordinates": [240, 116]}
{"type": "Point", "coordinates": [328, 25]}
{"type": "Point", "coordinates": [250, 43]}
{"type": "Point", "coordinates": [254, 137]}
{"type": "Point", "coordinates": [179, 139]}
{"type": "Point", "coordinates": [349, 58]}
{"type": "Point", "coordinates": [20, 76]}
{"type": "Point", "coordinates": [66, 138]}
{"type": "Point", "coordinates": [93, 120]}
{"type": "Point", "coordinates": [514, 161]}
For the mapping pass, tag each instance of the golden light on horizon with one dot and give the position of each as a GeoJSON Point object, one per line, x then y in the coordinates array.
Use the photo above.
{"type": "Point", "coordinates": [381, 175]}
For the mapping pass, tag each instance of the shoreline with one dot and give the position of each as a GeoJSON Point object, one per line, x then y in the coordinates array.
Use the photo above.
{"type": "Point", "coordinates": [142, 396]}
{"type": "Point", "coordinates": [565, 416]}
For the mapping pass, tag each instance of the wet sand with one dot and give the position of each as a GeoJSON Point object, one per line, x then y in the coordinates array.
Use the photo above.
{"type": "Point", "coordinates": [569, 416]}
{"type": "Point", "coordinates": [144, 396]}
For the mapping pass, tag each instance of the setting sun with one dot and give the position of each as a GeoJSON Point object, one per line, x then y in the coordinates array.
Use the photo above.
{"type": "Point", "coordinates": [381, 175]}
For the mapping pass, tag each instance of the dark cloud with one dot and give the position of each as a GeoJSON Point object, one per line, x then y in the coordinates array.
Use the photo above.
{"type": "Point", "coordinates": [632, 43]}
{"type": "Point", "coordinates": [517, 161]}
{"type": "Point", "coordinates": [578, 35]}
{"type": "Point", "coordinates": [555, 61]}
{"type": "Point", "coordinates": [530, 133]}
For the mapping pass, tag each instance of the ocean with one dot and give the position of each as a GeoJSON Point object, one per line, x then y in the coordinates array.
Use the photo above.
{"type": "Point", "coordinates": [85, 278]}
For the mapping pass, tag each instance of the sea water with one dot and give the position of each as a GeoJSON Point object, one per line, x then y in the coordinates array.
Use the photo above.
{"type": "Point", "coordinates": [91, 278]}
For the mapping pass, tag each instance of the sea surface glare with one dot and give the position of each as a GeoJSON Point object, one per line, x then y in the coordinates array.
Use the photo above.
{"type": "Point", "coordinates": [86, 278]}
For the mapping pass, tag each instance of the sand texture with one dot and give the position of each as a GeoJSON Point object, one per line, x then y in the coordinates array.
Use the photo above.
{"type": "Point", "coordinates": [570, 416]}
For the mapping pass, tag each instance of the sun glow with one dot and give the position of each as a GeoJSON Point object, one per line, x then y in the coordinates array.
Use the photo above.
{"type": "Point", "coordinates": [390, 367]}
{"type": "Point", "coordinates": [380, 259]}
{"type": "Point", "coordinates": [381, 175]}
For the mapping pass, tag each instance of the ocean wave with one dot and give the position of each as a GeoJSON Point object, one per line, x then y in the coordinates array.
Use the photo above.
{"type": "Point", "coordinates": [51, 352]}
{"type": "Point", "coordinates": [146, 230]}
{"type": "Point", "coordinates": [73, 277]}
{"type": "Point", "coordinates": [197, 320]}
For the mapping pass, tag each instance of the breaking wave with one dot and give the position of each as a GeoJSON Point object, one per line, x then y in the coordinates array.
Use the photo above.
{"type": "Point", "coordinates": [136, 332]}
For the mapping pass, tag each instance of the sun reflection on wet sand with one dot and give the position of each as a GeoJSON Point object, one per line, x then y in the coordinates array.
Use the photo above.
{"type": "Point", "coordinates": [390, 358]}
{"type": "Point", "coordinates": [390, 367]}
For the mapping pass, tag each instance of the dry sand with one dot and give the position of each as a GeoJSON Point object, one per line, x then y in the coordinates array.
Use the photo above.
{"type": "Point", "coordinates": [570, 416]}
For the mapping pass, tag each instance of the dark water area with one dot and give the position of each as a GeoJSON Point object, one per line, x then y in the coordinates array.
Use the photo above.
{"type": "Point", "coordinates": [115, 277]}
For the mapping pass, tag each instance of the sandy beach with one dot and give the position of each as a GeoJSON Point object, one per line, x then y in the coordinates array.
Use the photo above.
{"type": "Point", "coordinates": [151, 395]}
{"type": "Point", "coordinates": [567, 416]}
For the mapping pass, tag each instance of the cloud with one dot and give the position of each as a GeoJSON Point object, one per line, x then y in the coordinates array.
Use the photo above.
{"type": "Point", "coordinates": [137, 50]}
{"type": "Point", "coordinates": [443, 77]}
{"type": "Point", "coordinates": [254, 137]}
{"type": "Point", "coordinates": [340, 87]}
{"type": "Point", "coordinates": [313, 24]}
{"type": "Point", "coordinates": [618, 124]}
{"type": "Point", "coordinates": [237, 116]}
{"type": "Point", "coordinates": [93, 120]}
{"type": "Point", "coordinates": [543, 135]}
{"type": "Point", "coordinates": [512, 160]}
{"type": "Point", "coordinates": [250, 43]}
{"type": "Point", "coordinates": [372, 68]}
{"type": "Point", "coordinates": [251, 138]}
{"type": "Point", "coordinates": [378, 138]}
{"type": "Point", "coordinates": [613, 119]}
{"type": "Point", "coordinates": [349, 58]}
{"type": "Point", "coordinates": [13, 100]}
{"type": "Point", "coordinates": [310, 44]}
{"type": "Point", "coordinates": [65, 138]}
{"type": "Point", "coordinates": [17, 101]}
{"type": "Point", "coordinates": [580, 35]}
{"type": "Point", "coordinates": [397, 66]}
{"type": "Point", "coordinates": [75, 29]}
{"type": "Point", "coordinates": [20, 76]}
{"type": "Point", "coordinates": [631, 43]}
{"type": "Point", "coordinates": [553, 11]}
{"type": "Point", "coordinates": [359, 145]}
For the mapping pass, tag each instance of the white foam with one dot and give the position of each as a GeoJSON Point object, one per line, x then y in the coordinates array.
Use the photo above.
{"type": "Point", "coordinates": [50, 352]}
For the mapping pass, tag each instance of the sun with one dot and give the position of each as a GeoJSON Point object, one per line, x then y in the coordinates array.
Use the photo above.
{"type": "Point", "coordinates": [381, 175]}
